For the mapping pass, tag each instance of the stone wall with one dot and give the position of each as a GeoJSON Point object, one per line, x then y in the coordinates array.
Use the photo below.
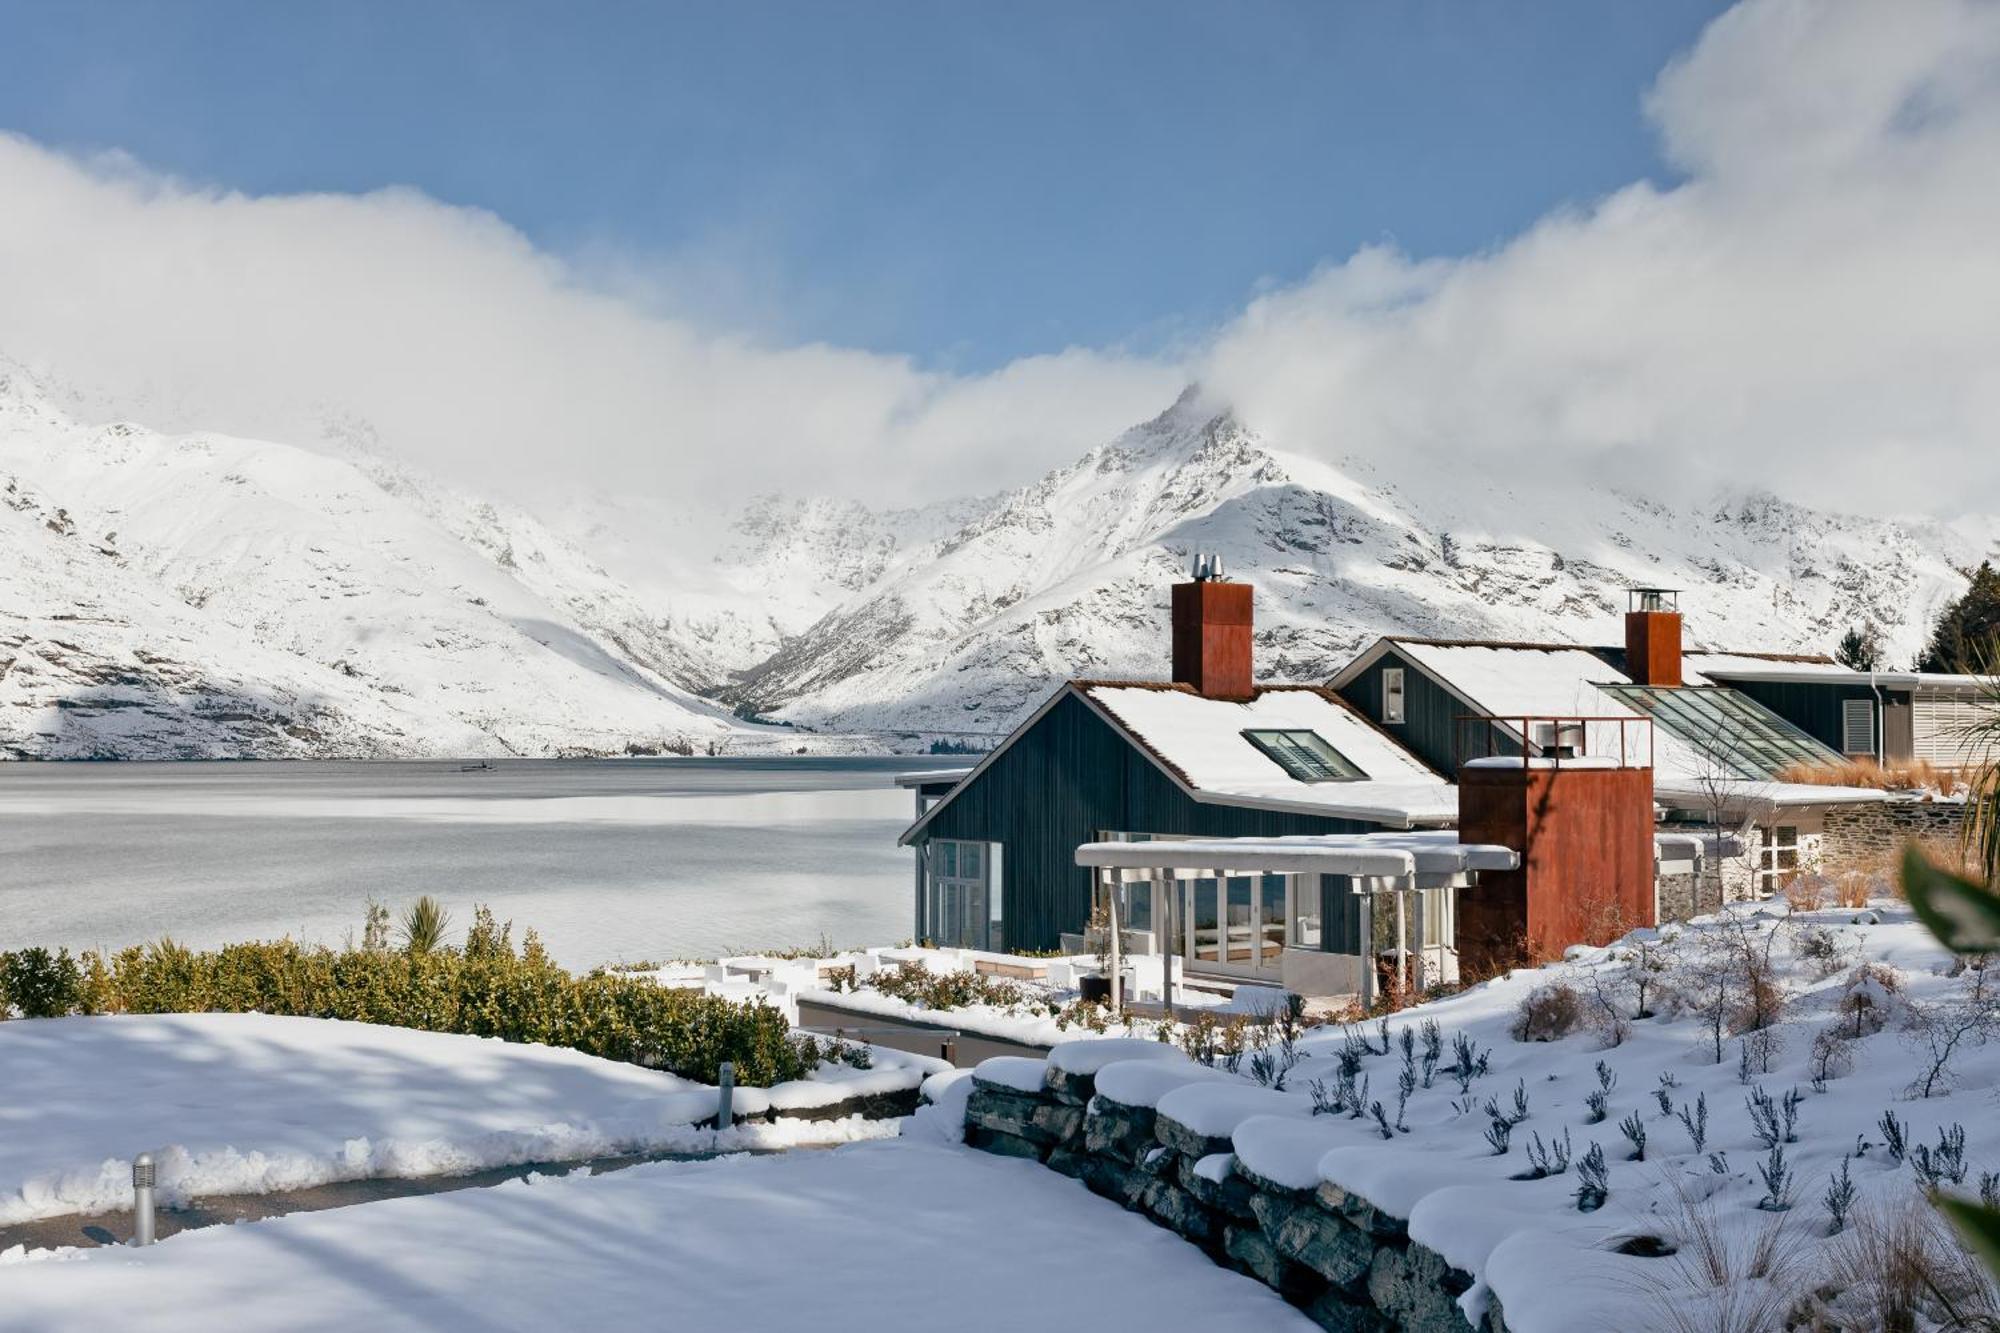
{"type": "Point", "coordinates": [1349, 1266]}
{"type": "Point", "coordinates": [1870, 834]}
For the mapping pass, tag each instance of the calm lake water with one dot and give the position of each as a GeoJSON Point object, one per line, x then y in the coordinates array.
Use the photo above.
{"type": "Point", "coordinates": [609, 860]}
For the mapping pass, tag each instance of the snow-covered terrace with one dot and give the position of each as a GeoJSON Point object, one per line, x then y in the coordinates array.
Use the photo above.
{"type": "Point", "coordinates": [1200, 742]}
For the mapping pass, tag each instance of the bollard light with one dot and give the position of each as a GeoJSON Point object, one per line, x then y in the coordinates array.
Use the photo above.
{"type": "Point", "coordinates": [725, 1095]}
{"type": "Point", "coordinates": [142, 1199]}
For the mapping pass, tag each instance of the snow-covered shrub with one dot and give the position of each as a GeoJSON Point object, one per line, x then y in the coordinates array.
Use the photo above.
{"type": "Point", "coordinates": [1895, 1135]}
{"type": "Point", "coordinates": [1832, 1055]}
{"type": "Point", "coordinates": [1547, 1159]}
{"type": "Point", "coordinates": [1939, 1029]}
{"type": "Point", "coordinates": [1549, 1012]}
{"type": "Point", "coordinates": [1634, 1130]}
{"type": "Point", "coordinates": [1870, 995]}
{"type": "Point", "coordinates": [917, 984]}
{"type": "Point", "coordinates": [1727, 978]}
{"type": "Point", "coordinates": [1839, 1199]}
{"type": "Point", "coordinates": [1944, 1164]}
{"type": "Point", "coordinates": [1694, 1119]}
{"type": "Point", "coordinates": [1821, 950]}
{"type": "Point", "coordinates": [1777, 1176]}
{"type": "Point", "coordinates": [40, 984]}
{"type": "Point", "coordinates": [1593, 1180]}
{"type": "Point", "coordinates": [1772, 1120]}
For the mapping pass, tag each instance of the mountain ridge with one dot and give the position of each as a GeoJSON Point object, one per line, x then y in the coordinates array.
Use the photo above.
{"type": "Point", "coordinates": [202, 595]}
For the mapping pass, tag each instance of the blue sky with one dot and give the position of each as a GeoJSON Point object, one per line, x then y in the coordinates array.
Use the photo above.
{"type": "Point", "coordinates": [964, 184]}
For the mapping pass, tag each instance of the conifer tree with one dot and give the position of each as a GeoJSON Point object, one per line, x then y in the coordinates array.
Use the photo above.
{"type": "Point", "coordinates": [1968, 628]}
{"type": "Point", "coordinates": [1860, 648]}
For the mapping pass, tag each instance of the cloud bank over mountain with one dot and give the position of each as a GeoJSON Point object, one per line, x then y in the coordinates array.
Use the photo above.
{"type": "Point", "coordinates": [1816, 306]}
{"type": "Point", "coordinates": [1811, 302]}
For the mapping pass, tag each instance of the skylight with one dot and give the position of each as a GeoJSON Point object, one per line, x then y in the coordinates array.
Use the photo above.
{"type": "Point", "coordinates": [1306, 756]}
{"type": "Point", "coordinates": [1733, 729]}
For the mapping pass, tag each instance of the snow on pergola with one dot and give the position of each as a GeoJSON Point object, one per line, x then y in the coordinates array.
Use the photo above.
{"type": "Point", "coordinates": [1394, 856]}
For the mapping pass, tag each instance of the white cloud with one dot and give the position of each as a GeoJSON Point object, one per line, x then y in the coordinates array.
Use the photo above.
{"type": "Point", "coordinates": [467, 349]}
{"type": "Point", "coordinates": [1815, 307]}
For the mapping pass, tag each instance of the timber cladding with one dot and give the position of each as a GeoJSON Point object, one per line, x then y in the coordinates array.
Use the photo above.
{"type": "Point", "coordinates": [1586, 841]}
{"type": "Point", "coordinates": [1056, 786]}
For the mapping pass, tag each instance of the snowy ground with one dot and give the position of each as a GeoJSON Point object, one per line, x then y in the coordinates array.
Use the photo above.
{"type": "Point", "coordinates": [882, 1237]}
{"type": "Point", "coordinates": [249, 1103]}
{"type": "Point", "coordinates": [1475, 1206]}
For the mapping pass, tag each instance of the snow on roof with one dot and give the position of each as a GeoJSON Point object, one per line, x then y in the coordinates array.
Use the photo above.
{"type": "Point", "coordinates": [1202, 741]}
{"type": "Point", "coordinates": [1683, 789]}
{"type": "Point", "coordinates": [1523, 680]}
{"type": "Point", "coordinates": [1387, 855]}
{"type": "Point", "coordinates": [1811, 671]}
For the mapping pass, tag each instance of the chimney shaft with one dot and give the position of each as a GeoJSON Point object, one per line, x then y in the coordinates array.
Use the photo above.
{"type": "Point", "coordinates": [1653, 637]}
{"type": "Point", "coordinates": [1212, 638]}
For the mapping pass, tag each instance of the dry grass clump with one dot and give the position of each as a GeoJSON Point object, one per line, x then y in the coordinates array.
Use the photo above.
{"type": "Point", "coordinates": [1724, 1279]}
{"type": "Point", "coordinates": [1549, 1012]}
{"type": "Point", "coordinates": [1901, 775]}
{"type": "Point", "coordinates": [1900, 1269]}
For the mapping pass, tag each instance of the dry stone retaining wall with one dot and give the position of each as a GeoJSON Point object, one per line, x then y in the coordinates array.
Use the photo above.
{"type": "Point", "coordinates": [1351, 1267]}
{"type": "Point", "coordinates": [1869, 832]}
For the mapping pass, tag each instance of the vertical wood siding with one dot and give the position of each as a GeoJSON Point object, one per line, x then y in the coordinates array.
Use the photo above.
{"type": "Point", "coordinates": [1813, 709]}
{"type": "Point", "coordinates": [1431, 729]}
{"type": "Point", "coordinates": [1055, 788]}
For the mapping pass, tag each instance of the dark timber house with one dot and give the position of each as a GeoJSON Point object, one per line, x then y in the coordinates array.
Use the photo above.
{"type": "Point", "coordinates": [1207, 755]}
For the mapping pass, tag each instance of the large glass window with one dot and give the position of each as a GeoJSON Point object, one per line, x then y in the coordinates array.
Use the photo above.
{"type": "Point", "coordinates": [1306, 756]}
{"type": "Point", "coordinates": [964, 895]}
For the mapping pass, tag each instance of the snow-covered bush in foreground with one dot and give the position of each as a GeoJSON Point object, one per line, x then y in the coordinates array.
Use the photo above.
{"type": "Point", "coordinates": [1710, 1170]}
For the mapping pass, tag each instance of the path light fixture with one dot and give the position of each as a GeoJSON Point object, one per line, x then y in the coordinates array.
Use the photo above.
{"type": "Point", "coordinates": [142, 1199]}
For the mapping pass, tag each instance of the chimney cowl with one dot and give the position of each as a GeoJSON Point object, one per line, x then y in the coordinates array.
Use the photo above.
{"type": "Point", "coordinates": [1208, 567]}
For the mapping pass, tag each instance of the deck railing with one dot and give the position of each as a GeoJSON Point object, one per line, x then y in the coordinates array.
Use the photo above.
{"type": "Point", "coordinates": [1555, 737]}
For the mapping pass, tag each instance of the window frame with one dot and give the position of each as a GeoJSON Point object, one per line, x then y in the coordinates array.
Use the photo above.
{"type": "Point", "coordinates": [1851, 710]}
{"type": "Point", "coordinates": [1286, 752]}
{"type": "Point", "coordinates": [1395, 696]}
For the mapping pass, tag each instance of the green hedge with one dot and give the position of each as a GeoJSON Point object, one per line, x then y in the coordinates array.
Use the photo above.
{"type": "Point", "coordinates": [485, 992]}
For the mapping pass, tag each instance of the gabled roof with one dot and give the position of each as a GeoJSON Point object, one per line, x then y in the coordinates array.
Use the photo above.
{"type": "Point", "coordinates": [1198, 743]}
{"type": "Point", "coordinates": [1503, 679]}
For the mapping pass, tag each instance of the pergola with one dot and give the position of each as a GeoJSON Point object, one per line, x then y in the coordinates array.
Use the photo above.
{"type": "Point", "coordinates": [1374, 862]}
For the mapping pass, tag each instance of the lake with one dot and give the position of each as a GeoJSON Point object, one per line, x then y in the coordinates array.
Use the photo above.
{"type": "Point", "coordinates": [608, 859]}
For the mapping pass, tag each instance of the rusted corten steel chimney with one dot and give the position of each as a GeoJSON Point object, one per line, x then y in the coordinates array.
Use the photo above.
{"type": "Point", "coordinates": [1212, 633]}
{"type": "Point", "coordinates": [1653, 636]}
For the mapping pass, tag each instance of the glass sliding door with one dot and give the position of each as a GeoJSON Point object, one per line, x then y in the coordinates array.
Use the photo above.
{"type": "Point", "coordinates": [1234, 925]}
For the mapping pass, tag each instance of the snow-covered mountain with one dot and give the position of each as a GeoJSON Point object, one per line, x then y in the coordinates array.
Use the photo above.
{"type": "Point", "coordinates": [204, 595]}
{"type": "Point", "coordinates": [1070, 576]}
{"type": "Point", "coordinates": [207, 595]}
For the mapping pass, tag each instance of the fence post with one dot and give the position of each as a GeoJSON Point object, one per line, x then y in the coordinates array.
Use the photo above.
{"type": "Point", "coordinates": [725, 1095]}
{"type": "Point", "coordinates": [142, 1199]}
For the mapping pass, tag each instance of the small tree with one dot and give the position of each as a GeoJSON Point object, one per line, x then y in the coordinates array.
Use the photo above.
{"type": "Point", "coordinates": [1861, 648]}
